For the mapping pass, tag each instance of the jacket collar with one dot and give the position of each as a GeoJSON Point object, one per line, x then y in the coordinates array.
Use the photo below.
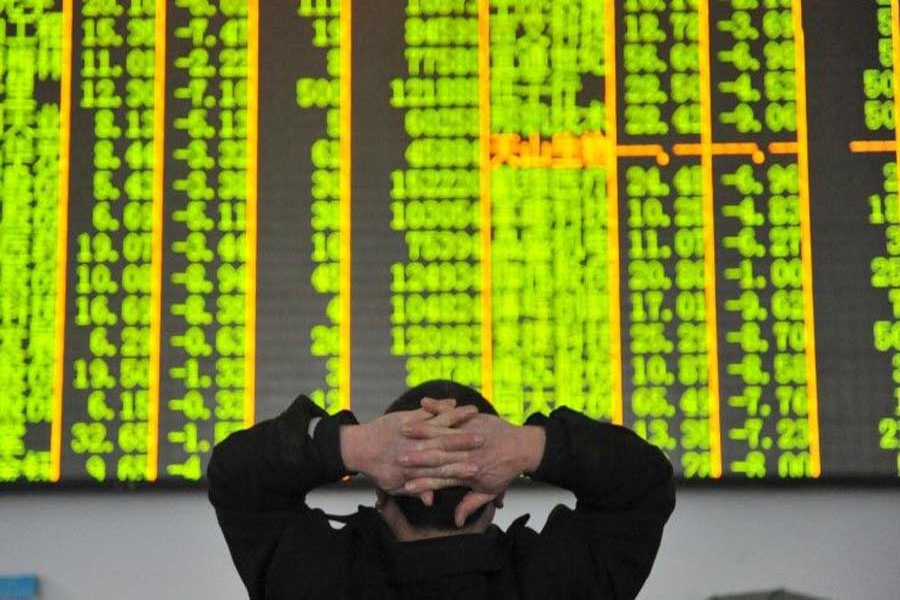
{"type": "Point", "coordinates": [433, 558]}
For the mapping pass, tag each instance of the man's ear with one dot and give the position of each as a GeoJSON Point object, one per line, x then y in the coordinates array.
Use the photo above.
{"type": "Point", "coordinates": [381, 498]}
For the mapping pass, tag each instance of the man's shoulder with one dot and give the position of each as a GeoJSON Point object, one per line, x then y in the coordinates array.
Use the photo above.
{"type": "Point", "coordinates": [365, 526]}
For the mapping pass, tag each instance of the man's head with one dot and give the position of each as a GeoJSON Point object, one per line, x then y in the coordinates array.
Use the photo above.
{"type": "Point", "coordinates": [440, 514]}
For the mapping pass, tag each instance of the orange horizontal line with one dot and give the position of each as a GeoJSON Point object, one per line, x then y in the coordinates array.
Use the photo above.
{"type": "Point", "coordinates": [687, 149]}
{"type": "Point", "coordinates": [633, 150]}
{"type": "Point", "coordinates": [722, 148]}
{"type": "Point", "coordinates": [783, 148]}
{"type": "Point", "coordinates": [863, 146]}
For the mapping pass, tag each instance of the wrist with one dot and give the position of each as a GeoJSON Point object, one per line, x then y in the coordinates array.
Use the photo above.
{"type": "Point", "coordinates": [532, 441]}
{"type": "Point", "coordinates": [352, 451]}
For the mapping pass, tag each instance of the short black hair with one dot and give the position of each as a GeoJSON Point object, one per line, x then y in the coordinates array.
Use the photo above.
{"type": "Point", "coordinates": [440, 514]}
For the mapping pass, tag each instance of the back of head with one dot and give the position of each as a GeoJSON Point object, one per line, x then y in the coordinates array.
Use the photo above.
{"type": "Point", "coordinates": [440, 514]}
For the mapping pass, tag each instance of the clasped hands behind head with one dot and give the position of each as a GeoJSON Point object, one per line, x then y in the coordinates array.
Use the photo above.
{"type": "Point", "coordinates": [456, 460]}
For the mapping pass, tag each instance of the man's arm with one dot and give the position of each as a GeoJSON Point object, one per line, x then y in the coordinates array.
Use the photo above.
{"type": "Point", "coordinates": [606, 466]}
{"type": "Point", "coordinates": [259, 477]}
{"type": "Point", "coordinates": [623, 485]}
{"type": "Point", "coordinates": [625, 495]}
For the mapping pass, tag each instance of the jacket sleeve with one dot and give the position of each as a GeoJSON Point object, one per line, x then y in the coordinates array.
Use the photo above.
{"type": "Point", "coordinates": [624, 491]}
{"type": "Point", "coordinates": [258, 481]}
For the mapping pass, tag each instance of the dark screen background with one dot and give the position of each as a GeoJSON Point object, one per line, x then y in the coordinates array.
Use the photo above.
{"type": "Point", "coordinates": [859, 418]}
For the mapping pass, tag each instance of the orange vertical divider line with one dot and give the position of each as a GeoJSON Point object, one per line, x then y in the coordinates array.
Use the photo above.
{"type": "Point", "coordinates": [345, 200]}
{"type": "Point", "coordinates": [159, 155]}
{"type": "Point", "coordinates": [709, 242]}
{"type": "Point", "coordinates": [612, 218]}
{"type": "Point", "coordinates": [809, 320]}
{"type": "Point", "coordinates": [252, 221]}
{"type": "Point", "coordinates": [484, 114]}
{"type": "Point", "coordinates": [62, 239]}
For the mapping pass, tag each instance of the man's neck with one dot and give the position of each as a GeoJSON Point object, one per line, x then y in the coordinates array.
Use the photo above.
{"type": "Point", "coordinates": [415, 534]}
{"type": "Point", "coordinates": [405, 532]}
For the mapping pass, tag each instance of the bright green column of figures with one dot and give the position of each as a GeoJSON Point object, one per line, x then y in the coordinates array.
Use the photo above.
{"type": "Point", "coordinates": [765, 349]}
{"type": "Point", "coordinates": [551, 332]}
{"type": "Point", "coordinates": [205, 357]}
{"type": "Point", "coordinates": [322, 93]}
{"type": "Point", "coordinates": [435, 290]}
{"type": "Point", "coordinates": [880, 116]}
{"type": "Point", "coordinates": [112, 253]}
{"type": "Point", "coordinates": [30, 52]}
{"type": "Point", "coordinates": [663, 231]}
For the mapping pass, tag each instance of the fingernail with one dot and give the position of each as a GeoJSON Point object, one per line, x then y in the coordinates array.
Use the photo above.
{"type": "Point", "coordinates": [479, 439]}
{"type": "Point", "coordinates": [404, 458]}
{"type": "Point", "coordinates": [406, 429]}
{"type": "Point", "coordinates": [410, 486]}
{"type": "Point", "coordinates": [473, 469]}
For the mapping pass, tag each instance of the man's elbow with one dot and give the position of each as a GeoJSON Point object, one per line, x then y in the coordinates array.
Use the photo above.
{"type": "Point", "coordinates": [224, 472]}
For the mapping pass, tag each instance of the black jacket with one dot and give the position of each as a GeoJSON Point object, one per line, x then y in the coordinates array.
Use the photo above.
{"type": "Point", "coordinates": [604, 548]}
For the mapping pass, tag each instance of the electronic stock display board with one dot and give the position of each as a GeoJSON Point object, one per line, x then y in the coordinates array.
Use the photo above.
{"type": "Point", "coordinates": [680, 215]}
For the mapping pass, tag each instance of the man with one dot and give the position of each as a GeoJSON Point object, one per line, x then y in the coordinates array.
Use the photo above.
{"type": "Point", "coordinates": [441, 461]}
